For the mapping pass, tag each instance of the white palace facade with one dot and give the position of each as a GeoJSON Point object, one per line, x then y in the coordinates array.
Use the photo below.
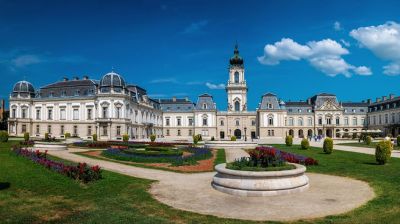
{"type": "Point", "coordinates": [111, 108]}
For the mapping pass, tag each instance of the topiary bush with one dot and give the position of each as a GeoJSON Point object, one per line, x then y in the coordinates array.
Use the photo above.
{"type": "Point", "coordinates": [233, 138]}
{"type": "Point", "coordinates": [125, 137]}
{"type": "Point", "coordinates": [4, 136]}
{"type": "Point", "coordinates": [46, 136]}
{"type": "Point", "coordinates": [305, 144]}
{"type": "Point", "coordinates": [289, 140]}
{"type": "Point", "coordinates": [200, 137]}
{"type": "Point", "coordinates": [94, 137]}
{"type": "Point", "coordinates": [195, 139]}
{"type": "Point", "coordinates": [67, 135]}
{"type": "Point", "coordinates": [152, 138]}
{"type": "Point", "coordinates": [383, 151]}
{"type": "Point", "coordinates": [328, 145]}
{"type": "Point", "coordinates": [368, 140]}
{"type": "Point", "coordinates": [26, 136]}
{"type": "Point", "coordinates": [398, 140]}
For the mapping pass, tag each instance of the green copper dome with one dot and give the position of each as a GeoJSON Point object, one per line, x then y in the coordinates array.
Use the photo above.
{"type": "Point", "coordinates": [236, 60]}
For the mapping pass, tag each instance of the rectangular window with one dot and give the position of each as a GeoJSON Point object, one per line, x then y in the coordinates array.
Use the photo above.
{"type": "Point", "coordinates": [320, 121]}
{"type": "Point", "coordinates": [190, 132]}
{"type": "Point", "coordinates": [75, 130]}
{"type": "Point", "coordinates": [49, 129]}
{"type": "Point", "coordinates": [204, 121]}
{"type": "Point", "coordinates": [63, 114]}
{"type": "Point", "coordinates": [337, 121]}
{"type": "Point", "coordinates": [49, 114]}
{"type": "Point", "coordinates": [104, 130]}
{"type": "Point", "coordinates": [167, 123]}
{"type": "Point", "coordinates": [118, 112]}
{"type": "Point", "coordinates": [354, 121]}
{"type": "Point", "coordinates": [167, 132]}
{"type": "Point", "coordinates": [386, 119]}
{"type": "Point", "coordinates": [118, 130]}
{"type": "Point", "coordinates": [89, 114]}
{"type": "Point", "coordinates": [89, 131]}
{"type": "Point", "coordinates": [76, 114]}
{"type": "Point", "coordinates": [253, 122]}
{"type": "Point", "coordinates": [62, 130]}
{"type": "Point", "coordinates": [24, 128]}
{"type": "Point", "coordinates": [309, 121]}
{"type": "Point", "coordinates": [14, 111]}
{"type": "Point", "coordinates": [105, 112]}
{"type": "Point", "coordinates": [23, 114]}
{"type": "Point", "coordinates": [178, 121]}
{"type": "Point", "coordinates": [37, 129]}
{"type": "Point", "coordinates": [346, 121]}
{"type": "Point", "coordinates": [272, 133]}
{"type": "Point", "coordinates": [179, 132]}
{"type": "Point", "coordinates": [190, 122]}
{"type": "Point", "coordinates": [37, 114]}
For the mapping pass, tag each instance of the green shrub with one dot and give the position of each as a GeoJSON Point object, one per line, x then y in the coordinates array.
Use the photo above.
{"type": "Point", "coordinates": [46, 136]}
{"type": "Point", "coordinates": [4, 136]}
{"type": "Point", "coordinates": [289, 140]}
{"type": "Point", "coordinates": [152, 138]}
{"type": "Point", "coordinates": [94, 137]}
{"type": "Point", "coordinates": [26, 136]}
{"type": "Point", "coordinates": [305, 144]}
{"type": "Point", "coordinates": [368, 140]}
{"type": "Point", "coordinates": [383, 151]}
{"type": "Point", "coordinates": [125, 137]}
{"type": "Point", "coordinates": [195, 139]}
{"type": "Point", "coordinates": [398, 140]}
{"type": "Point", "coordinates": [67, 135]}
{"type": "Point", "coordinates": [328, 145]}
{"type": "Point", "coordinates": [233, 138]}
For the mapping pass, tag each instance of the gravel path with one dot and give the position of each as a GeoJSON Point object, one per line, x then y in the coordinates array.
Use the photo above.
{"type": "Point", "coordinates": [327, 195]}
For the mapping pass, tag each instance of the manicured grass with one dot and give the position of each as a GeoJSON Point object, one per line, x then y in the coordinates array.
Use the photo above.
{"type": "Point", "coordinates": [221, 157]}
{"type": "Point", "coordinates": [36, 194]}
{"type": "Point", "coordinates": [361, 144]}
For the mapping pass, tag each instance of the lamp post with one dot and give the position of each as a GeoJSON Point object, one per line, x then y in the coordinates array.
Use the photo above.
{"type": "Point", "coordinates": [245, 135]}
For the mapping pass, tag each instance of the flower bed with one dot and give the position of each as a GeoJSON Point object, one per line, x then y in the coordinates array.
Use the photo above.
{"type": "Point", "coordinates": [28, 143]}
{"type": "Point", "coordinates": [81, 172]}
{"type": "Point", "coordinates": [175, 157]}
{"type": "Point", "coordinates": [290, 157]}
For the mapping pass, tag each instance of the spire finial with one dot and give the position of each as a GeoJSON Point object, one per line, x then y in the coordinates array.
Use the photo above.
{"type": "Point", "coordinates": [112, 68]}
{"type": "Point", "coordinates": [236, 51]}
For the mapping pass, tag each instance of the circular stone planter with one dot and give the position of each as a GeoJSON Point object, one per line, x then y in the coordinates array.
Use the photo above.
{"type": "Point", "coordinates": [260, 183]}
{"type": "Point", "coordinates": [50, 146]}
{"type": "Point", "coordinates": [230, 144]}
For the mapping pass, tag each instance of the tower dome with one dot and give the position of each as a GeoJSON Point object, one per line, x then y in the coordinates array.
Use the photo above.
{"type": "Point", "coordinates": [236, 60]}
{"type": "Point", "coordinates": [23, 89]}
{"type": "Point", "coordinates": [112, 79]}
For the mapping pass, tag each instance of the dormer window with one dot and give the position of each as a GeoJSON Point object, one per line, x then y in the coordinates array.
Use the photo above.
{"type": "Point", "coordinates": [204, 106]}
{"type": "Point", "coordinates": [76, 93]}
{"type": "Point", "coordinates": [270, 106]}
{"type": "Point", "coordinates": [63, 93]}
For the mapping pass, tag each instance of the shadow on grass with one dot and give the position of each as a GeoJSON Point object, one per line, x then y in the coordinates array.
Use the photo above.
{"type": "Point", "coordinates": [371, 163]}
{"type": "Point", "coordinates": [4, 185]}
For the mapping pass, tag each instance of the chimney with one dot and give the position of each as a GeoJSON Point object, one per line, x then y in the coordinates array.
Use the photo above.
{"type": "Point", "coordinates": [378, 99]}
{"type": "Point", "coordinates": [369, 101]}
{"type": "Point", "coordinates": [309, 100]}
{"type": "Point", "coordinates": [187, 99]}
{"type": "Point", "coordinates": [174, 99]}
{"type": "Point", "coordinates": [76, 78]}
{"type": "Point", "coordinates": [391, 96]}
{"type": "Point", "coordinates": [384, 98]}
{"type": "Point", "coordinates": [85, 77]}
{"type": "Point", "coordinates": [65, 79]}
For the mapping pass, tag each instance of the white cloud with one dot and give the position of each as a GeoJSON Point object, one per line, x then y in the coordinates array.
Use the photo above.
{"type": "Point", "coordinates": [215, 86]}
{"type": "Point", "coordinates": [25, 60]}
{"type": "Point", "coordinates": [195, 27]}
{"type": "Point", "coordinates": [337, 26]}
{"type": "Point", "coordinates": [384, 42]}
{"type": "Point", "coordinates": [324, 55]}
{"type": "Point", "coordinates": [345, 43]}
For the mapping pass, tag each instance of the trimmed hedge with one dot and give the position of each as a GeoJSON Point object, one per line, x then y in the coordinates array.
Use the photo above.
{"type": "Point", "coordinates": [4, 136]}
{"type": "Point", "coordinates": [67, 135]}
{"type": "Point", "coordinates": [94, 137]}
{"type": "Point", "coordinates": [233, 138]}
{"type": "Point", "coordinates": [125, 138]}
{"type": "Point", "coordinates": [328, 145]}
{"type": "Point", "coordinates": [383, 151]}
{"type": "Point", "coordinates": [289, 140]}
{"type": "Point", "coordinates": [305, 144]}
{"type": "Point", "coordinates": [368, 140]}
{"type": "Point", "coordinates": [152, 138]}
{"type": "Point", "coordinates": [26, 136]}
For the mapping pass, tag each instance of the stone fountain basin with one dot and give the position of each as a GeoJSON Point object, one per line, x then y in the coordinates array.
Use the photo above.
{"type": "Point", "coordinates": [260, 183]}
{"type": "Point", "coordinates": [50, 146]}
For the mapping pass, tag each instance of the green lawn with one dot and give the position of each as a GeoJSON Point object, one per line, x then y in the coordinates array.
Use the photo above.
{"type": "Point", "coordinates": [361, 144]}
{"type": "Point", "coordinates": [36, 194]}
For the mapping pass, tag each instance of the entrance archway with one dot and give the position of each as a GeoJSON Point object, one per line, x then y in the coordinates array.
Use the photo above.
{"type": "Point", "coordinates": [329, 133]}
{"type": "Point", "coordinates": [301, 134]}
{"type": "Point", "coordinates": [238, 133]}
{"type": "Point", "coordinates": [309, 132]}
{"type": "Point", "coordinates": [291, 132]}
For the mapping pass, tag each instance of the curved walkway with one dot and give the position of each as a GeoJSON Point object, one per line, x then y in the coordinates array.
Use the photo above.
{"type": "Point", "coordinates": [327, 195]}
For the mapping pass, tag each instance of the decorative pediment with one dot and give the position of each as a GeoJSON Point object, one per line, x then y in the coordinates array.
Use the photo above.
{"type": "Point", "coordinates": [330, 104]}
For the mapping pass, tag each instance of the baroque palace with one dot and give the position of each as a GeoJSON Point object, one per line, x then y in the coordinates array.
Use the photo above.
{"type": "Point", "coordinates": [111, 108]}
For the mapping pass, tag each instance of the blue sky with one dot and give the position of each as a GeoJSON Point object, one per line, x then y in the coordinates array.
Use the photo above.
{"type": "Point", "coordinates": [181, 48]}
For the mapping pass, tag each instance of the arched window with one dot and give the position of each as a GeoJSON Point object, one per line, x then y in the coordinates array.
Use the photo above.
{"type": "Point", "coordinates": [300, 122]}
{"type": "Point", "coordinates": [237, 106]}
{"type": "Point", "coordinates": [237, 123]}
{"type": "Point", "coordinates": [236, 77]}
{"type": "Point", "coordinates": [205, 120]}
{"type": "Point", "coordinates": [270, 121]}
